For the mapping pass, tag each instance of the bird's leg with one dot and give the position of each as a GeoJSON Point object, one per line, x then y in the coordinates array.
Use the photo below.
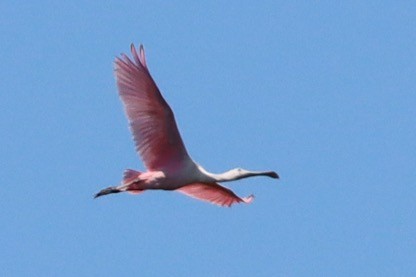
{"type": "Point", "coordinates": [108, 190]}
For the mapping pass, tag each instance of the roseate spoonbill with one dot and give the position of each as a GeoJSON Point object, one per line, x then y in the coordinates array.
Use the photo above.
{"type": "Point", "coordinates": [159, 143]}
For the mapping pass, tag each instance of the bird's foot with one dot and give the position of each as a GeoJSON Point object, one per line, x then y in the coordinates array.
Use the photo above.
{"type": "Point", "coordinates": [106, 191]}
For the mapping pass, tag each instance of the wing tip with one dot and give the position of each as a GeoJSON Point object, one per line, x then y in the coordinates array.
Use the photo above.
{"type": "Point", "coordinates": [140, 57]}
{"type": "Point", "coordinates": [248, 199]}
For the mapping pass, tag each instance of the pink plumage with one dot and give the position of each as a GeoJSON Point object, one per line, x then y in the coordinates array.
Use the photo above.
{"type": "Point", "coordinates": [158, 142]}
{"type": "Point", "coordinates": [213, 193]}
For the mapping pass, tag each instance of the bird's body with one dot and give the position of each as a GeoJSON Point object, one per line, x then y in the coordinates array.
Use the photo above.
{"type": "Point", "coordinates": [160, 145]}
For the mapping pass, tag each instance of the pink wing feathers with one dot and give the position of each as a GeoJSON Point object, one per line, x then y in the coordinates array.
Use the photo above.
{"type": "Point", "coordinates": [152, 122]}
{"type": "Point", "coordinates": [213, 193]}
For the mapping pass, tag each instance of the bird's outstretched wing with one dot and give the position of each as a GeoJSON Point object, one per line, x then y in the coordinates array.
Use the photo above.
{"type": "Point", "coordinates": [152, 122]}
{"type": "Point", "coordinates": [213, 193]}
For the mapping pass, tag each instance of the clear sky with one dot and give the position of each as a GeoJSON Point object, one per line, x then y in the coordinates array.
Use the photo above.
{"type": "Point", "coordinates": [324, 93]}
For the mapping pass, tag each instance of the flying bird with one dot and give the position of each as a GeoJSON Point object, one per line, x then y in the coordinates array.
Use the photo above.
{"type": "Point", "coordinates": [158, 142]}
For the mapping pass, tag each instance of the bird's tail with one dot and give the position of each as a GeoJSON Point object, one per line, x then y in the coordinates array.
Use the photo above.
{"type": "Point", "coordinates": [130, 176]}
{"type": "Point", "coordinates": [130, 184]}
{"type": "Point", "coordinates": [131, 181]}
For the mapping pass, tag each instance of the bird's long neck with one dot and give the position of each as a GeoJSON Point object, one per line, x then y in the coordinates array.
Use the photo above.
{"type": "Point", "coordinates": [236, 174]}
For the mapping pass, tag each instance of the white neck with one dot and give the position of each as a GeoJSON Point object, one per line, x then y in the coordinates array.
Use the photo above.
{"type": "Point", "coordinates": [234, 174]}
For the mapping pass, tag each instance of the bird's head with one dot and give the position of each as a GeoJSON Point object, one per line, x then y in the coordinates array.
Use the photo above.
{"type": "Point", "coordinates": [243, 173]}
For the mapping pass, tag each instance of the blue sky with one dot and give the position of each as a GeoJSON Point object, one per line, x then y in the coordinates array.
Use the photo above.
{"type": "Point", "coordinates": [322, 92]}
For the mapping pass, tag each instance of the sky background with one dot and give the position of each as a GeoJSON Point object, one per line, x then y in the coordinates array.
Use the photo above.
{"type": "Point", "coordinates": [324, 93]}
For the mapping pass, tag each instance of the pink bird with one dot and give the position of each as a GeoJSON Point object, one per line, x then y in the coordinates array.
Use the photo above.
{"type": "Point", "coordinates": [160, 145]}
